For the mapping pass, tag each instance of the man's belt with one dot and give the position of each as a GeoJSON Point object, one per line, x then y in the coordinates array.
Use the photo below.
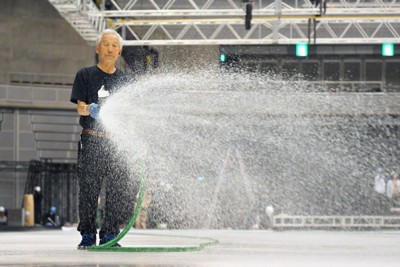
{"type": "Point", "coordinates": [95, 133]}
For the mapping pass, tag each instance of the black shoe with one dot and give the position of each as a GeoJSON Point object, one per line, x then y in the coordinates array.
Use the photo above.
{"type": "Point", "coordinates": [108, 238]}
{"type": "Point", "coordinates": [88, 240]}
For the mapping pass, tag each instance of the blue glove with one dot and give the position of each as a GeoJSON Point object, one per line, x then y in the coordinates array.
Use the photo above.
{"type": "Point", "coordinates": [94, 110]}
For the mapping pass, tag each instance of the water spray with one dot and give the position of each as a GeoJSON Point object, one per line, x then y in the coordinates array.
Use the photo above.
{"type": "Point", "coordinates": [303, 149]}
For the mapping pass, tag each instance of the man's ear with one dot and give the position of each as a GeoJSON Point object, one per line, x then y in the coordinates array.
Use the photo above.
{"type": "Point", "coordinates": [97, 50]}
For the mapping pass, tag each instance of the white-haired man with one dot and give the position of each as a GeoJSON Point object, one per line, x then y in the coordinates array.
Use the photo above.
{"type": "Point", "coordinates": [96, 157]}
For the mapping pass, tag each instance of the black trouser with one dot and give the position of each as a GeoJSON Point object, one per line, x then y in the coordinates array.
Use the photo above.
{"type": "Point", "coordinates": [98, 162]}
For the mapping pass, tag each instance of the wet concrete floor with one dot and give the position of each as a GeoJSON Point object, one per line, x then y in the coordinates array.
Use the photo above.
{"type": "Point", "coordinates": [234, 248]}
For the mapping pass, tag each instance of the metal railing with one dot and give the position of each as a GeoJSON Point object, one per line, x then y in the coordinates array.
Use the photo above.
{"type": "Point", "coordinates": [346, 86]}
{"type": "Point", "coordinates": [345, 222]}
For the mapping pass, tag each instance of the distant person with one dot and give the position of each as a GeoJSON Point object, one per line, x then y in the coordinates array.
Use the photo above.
{"type": "Point", "coordinates": [393, 189]}
{"type": "Point", "coordinates": [52, 219]}
{"type": "Point", "coordinates": [379, 198]}
{"type": "Point", "coordinates": [97, 160]}
{"type": "Point", "coordinates": [3, 217]}
{"type": "Point", "coordinates": [143, 219]}
{"type": "Point", "coordinates": [37, 200]}
{"type": "Point", "coordinates": [380, 183]}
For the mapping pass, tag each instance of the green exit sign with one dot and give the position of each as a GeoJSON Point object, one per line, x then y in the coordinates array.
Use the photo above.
{"type": "Point", "coordinates": [301, 49]}
{"type": "Point", "coordinates": [222, 57]}
{"type": "Point", "coordinates": [387, 49]}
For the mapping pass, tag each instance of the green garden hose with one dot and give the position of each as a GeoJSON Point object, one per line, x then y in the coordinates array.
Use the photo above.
{"type": "Point", "coordinates": [109, 246]}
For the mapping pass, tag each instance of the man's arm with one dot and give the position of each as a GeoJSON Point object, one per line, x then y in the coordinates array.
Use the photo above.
{"type": "Point", "coordinates": [91, 110]}
{"type": "Point", "coordinates": [82, 108]}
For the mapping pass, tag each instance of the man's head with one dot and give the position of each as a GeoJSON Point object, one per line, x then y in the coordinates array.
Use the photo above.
{"type": "Point", "coordinates": [53, 210]}
{"type": "Point", "coordinates": [109, 46]}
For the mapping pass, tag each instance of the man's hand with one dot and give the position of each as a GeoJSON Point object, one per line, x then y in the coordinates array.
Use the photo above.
{"type": "Point", "coordinates": [94, 110]}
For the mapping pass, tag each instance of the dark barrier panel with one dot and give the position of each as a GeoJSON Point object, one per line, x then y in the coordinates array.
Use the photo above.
{"type": "Point", "coordinates": [58, 184]}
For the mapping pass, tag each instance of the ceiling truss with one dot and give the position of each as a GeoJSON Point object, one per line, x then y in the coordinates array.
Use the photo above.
{"type": "Point", "coordinates": [221, 22]}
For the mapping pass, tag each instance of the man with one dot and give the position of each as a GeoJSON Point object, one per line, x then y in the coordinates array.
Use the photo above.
{"type": "Point", "coordinates": [97, 157]}
{"type": "Point", "coordinates": [380, 184]}
{"type": "Point", "coordinates": [37, 202]}
{"type": "Point", "coordinates": [393, 189]}
{"type": "Point", "coordinates": [142, 219]}
{"type": "Point", "coordinates": [379, 199]}
{"type": "Point", "coordinates": [52, 219]}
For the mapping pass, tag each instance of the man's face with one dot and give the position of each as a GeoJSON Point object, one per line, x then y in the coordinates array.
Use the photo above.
{"type": "Point", "coordinates": [109, 49]}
